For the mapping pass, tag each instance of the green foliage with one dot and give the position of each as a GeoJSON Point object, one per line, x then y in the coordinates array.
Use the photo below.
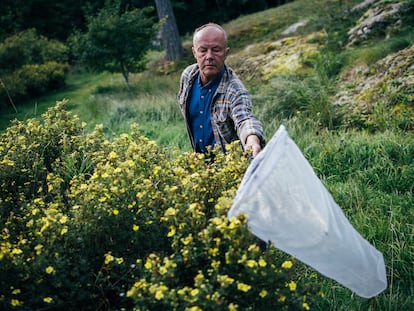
{"type": "Point", "coordinates": [31, 65]}
{"type": "Point", "coordinates": [116, 40]}
{"type": "Point", "coordinates": [98, 224]}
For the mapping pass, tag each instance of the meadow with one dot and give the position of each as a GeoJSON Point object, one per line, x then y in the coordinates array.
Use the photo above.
{"type": "Point", "coordinates": [77, 180]}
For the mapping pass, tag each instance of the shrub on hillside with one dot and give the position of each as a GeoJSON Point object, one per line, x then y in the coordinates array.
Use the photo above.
{"type": "Point", "coordinates": [94, 224]}
{"type": "Point", "coordinates": [31, 65]}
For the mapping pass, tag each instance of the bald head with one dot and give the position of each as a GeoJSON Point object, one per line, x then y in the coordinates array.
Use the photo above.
{"type": "Point", "coordinates": [212, 27]}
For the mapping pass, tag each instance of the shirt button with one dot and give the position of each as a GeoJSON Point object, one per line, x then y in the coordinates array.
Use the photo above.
{"type": "Point", "coordinates": [201, 111]}
{"type": "Point", "coordinates": [202, 97]}
{"type": "Point", "coordinates": [201, 126]}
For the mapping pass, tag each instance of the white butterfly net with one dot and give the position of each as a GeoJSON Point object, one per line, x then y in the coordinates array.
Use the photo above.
{"type": "Point", "coordinates": [287, 204]}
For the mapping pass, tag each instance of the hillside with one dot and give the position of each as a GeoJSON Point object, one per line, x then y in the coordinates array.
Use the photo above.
{"type": "Point", "coordinates": [104, 208]}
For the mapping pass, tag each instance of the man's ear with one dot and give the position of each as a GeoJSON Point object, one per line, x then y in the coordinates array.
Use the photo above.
{"type": "Point", "coordinates": [194, 52]}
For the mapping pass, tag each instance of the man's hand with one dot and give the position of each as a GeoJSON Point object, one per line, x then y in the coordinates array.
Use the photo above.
{"type": "Point", "coordinates": [253, 145]}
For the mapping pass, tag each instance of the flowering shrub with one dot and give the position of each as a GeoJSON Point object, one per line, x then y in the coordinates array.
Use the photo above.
{"type": "Point", "coordinates": [93, 224]}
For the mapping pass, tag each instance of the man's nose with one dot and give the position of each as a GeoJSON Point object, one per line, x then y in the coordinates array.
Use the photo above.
{"type": "Point", "coordinates": [209, 54]}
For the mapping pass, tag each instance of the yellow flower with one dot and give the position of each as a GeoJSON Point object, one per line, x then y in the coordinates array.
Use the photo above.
{"type": "Point", "coordinates": [282, 299]}
{"type": "Point", "coordinates": [115, 212]}
{"type": "Point", "coordinates": [262, 262]}
{"type": "Point", "coordinates": [305, 306]}
{"type": "Point", "coordinates": [194, 292]}
{"type": "Point", "coordinates": [50, 270]}
{"type": "Point", "coordinates": [287, 264]}
{"type": "Point", "coordinates": [163, 270]}
{"type": "Point", "coordinates": [16, 291]}
{"type": "Point", "coordinates": [243, 287]}
{"type": "Point", "coordinates": [135, 227]}
{"type": "Point", "coordinates": [112, 155]}
{"type": "Point", "coordinates": [16, 302]}
{"type": "Point", "coordinates": [159, 294]}
{"type": "Point", "coordinates": [63, 231]}
{"type": "Point", "coordinates": [187, 240]}
{"type": "Point", "coordinates": [292, 286]}
{"type": "Point", "coordinates": [251, 263]}
{"type": "Point", "coordinates": [148, 264]}
{"type": "Point", "coordinates": [213, 251]}
{"type": "Point", "coordinates": [170, 212]}
{"type": "Point", "coordinates": [38, 249]}
{"type": "Point", "coordinates": [16, 251]}
{"type": "Point", "coordinates": [233, 307]}
{"type": "Point", "coordinates": [171, 232]}
{"type": "Point", "coordinates": [119, 260]}
{"type": "Point", "coordinates": [109, 258]}
{"type": "Point", "coordinates": [263, 293]}
{"type": "Point", "coordinates": [48, 299]}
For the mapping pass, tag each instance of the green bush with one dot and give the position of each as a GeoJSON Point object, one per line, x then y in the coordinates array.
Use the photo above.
{"type": "Point", "coordinates": [93, 224]}
{"type": "Point", "coordinates": [31, 65]}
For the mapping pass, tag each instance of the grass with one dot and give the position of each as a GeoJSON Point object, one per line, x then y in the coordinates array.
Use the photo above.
{"type": "Point", "coordinates": [370, 175]}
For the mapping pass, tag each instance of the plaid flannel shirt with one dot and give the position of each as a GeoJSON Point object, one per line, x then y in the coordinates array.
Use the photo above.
{"type": "Point", "coordinates": [231, 108]}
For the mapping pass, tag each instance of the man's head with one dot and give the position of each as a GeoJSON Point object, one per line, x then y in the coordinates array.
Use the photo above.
{"type": "Point", "coordinates": [210, 50]}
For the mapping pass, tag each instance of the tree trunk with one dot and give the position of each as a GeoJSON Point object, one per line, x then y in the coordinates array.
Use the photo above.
{"type": "Point", "coordinates": [169, 32]}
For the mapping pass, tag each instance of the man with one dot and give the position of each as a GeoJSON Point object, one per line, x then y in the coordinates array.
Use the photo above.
{"type": "Point", "coordinates": [216, 105]}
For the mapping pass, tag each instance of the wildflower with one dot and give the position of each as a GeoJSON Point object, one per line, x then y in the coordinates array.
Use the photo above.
{"type": "Point", "coordinates": [262, 262]}
{"type": "Point", "coordinates": [48, 299]}
{"type": "Point", "coordinates": [263, 293]}
{"type": "Point", "coordinates": [251, 263]}
{"type": "Point", "coordinates": [287, 264]}
{"type": "Point", "coordinates": [305, 306]}
{"type": "Point", "coordinates": [50, 270]}
{"type": "Point", "coordinates": [292, 286]}
{"type": "Point", "coordinates": [115, 212]}
{"type": "Point", "coordinates": [213, 251]}
{"type": "Point", "coordinates": [135, 227]}
{"type": "Point", "coordinates": [224, 280]}
{"type": "Point", "coordinates": [170, 212]}
{"type": "Point", "coordinates": [233, 307]}
{"type": "Point", "coordinates": [16, 251]}
{"type": "Point", "coordinates": [16, 291]}
{"type": "Point", "coordinates": [109, 258]}
{"type": "Point", "coordinates": [163, 270]}
{"type": "Point", "coordinates": [112, 155]}
{"type": "Point", "coordinates": [194, 292]}
{"type": "Point", "coordinates": [243, 287]}
{"type": "Point", "coordinates": [187, 240]}
{"type": "Point", "coordinates": [148, 264]}
{"type": "Point", "coordinates": [119, 260]}
{"type": "Point", "coordinates": [16, 302]}
{"type": "Point", "coordinates": [281, 299]}
{"type": "Point", "coordinates": [159, 294]}
{"type": "Point", "coordinates": [38, 249]}
{"type": "Point", "coordinates": [63, 231]}
{"type": "Point", "coordinates": [171, 232]}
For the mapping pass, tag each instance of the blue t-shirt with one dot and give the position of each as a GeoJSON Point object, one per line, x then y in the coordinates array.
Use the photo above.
{"type": "Point", "coordinates": [199, 113]}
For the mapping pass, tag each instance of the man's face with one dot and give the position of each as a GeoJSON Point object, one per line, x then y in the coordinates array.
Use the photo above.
{"type": "Point", "coordinates": [210, 50]}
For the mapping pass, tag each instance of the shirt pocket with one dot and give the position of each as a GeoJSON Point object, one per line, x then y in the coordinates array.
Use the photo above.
{"type": "Point", "coordinates": [225, 126]}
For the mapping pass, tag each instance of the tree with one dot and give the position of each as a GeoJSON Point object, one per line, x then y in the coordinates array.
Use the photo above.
{"type": "Point", "coordinates": [116, 40]}
{"type": "Point", "coordinates": [169, 33]}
